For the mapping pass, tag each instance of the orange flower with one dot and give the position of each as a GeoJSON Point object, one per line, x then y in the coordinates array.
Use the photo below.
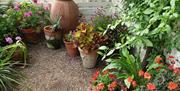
{"type": "Point", "coordinates": [172, 85]}
{"type": "Point", "coordinates": [141, 73]}
{"type": "Point", "coordinates": [95, 75]}
{"type": "Point", "coordinates": [151, 86]}
{"type": "Point", "coordinates": [147, 75]}
{"type": "Point", "coordinates": [101, 86]}
{"type": "Point", "coordinates": [158, 59]}
{"type": "Point", "coordinates": [134, 83]}
{"type": "Point", "coordinates": [129, 79]}
{"type": "Point", "coordinates": [112, 86]}
{"type": "Point", "coordinates": [105, 72]}
{"type": "Point", "coordinates": [112, 76]}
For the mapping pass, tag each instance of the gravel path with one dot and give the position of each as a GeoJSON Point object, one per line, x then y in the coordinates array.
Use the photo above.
{"type": "Point", "coordinates": [54, 70]}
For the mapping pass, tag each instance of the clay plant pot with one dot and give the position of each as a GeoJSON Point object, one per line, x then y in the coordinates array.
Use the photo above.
{"type": "Point", "coordinates": [18, 55]}
{"type": "Point", "coordinates": [89, 59]}
{"type": "Point", "coordinates": [53, 38]}
{"type": "Point", "coordinates": [69, 12]}
{"type": "Point", "coordinates": [30, 35]}
{"type": "Point", "coordinates": [71, 48]}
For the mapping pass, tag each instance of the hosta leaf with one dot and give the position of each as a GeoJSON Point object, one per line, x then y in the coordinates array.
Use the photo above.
{"type": "Point", "coordinates": [103, 48]}
{"type": "Point", "coordinates": [110, 52]}
{"type": "Point", "coordinates": [148, 11]}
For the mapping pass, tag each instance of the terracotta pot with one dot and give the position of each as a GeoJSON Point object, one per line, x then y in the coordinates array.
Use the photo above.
{"type": "Point", "coordinates": [71, 48]}
{"type": "Point", "coordinates": [89, 59]}
{"type": "Point", "coordinates": [18, 56]}
{"type": "Point", "coordinates": [30, 35]}
{"type": "Point", "coordinates": [69, 12]}
{"type": "Point", "coordinates": [53, 38]}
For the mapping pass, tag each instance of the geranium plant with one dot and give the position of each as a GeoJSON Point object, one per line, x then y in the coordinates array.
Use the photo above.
{"type": "Point", "coordinates": [87, 39]}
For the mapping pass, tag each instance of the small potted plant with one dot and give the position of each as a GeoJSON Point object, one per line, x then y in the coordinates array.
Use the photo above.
{"type": "Point", "coordinates": [29, 21]}
{"type": "Point", "coordinates": [53, 34]}
{"type": "Point", "coordinates": [70, 45]}
{"type": "Point", "coordinates": [88, 43]}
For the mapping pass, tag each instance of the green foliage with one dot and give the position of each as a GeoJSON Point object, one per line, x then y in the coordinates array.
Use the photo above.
{"type": "Point", "coordinates": [8, 51]}
{"type": "Point", "coordinates": [10, 77]}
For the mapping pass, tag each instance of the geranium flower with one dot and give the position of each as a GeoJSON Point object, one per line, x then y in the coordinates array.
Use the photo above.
{"type": "Point", "coordinates": [28, 14]}
{"type": "Point", "coordinates": [170, 56]}
{"type": "Point", "coordinates": [147, 75]}
{"type": "Point", "coordinates": [101, 86]}
{"type": "Point", "coordinates": [105, 72]}
{"type": "Point", "coordinates": [134, 83]}
{"type": "Point", "coordinates": [172, 85]}
{"type": "Point", "coordinates": [16, 7]}
{"type": "Point", "coordinates": [46, 7]}
{"type": "Point", "coordinates": [9, 40]}
{"type": "Point", "coordinates": [18, 38]}
{"type": "Point", "coordinates": [158, 59]}
{"type": "Point", "coordinates": [151, 86]}
{"type": "Point", "coordinates": [129, 79]}
{"type": "Point", "coordinates": [141, 73]}
{"type": "Point", "coordinates": [112, 76]}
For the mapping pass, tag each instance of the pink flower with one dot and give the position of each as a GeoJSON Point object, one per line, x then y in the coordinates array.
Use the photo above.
{"type": "Point", "coordinates": [28, 14]}
{"type": "Point", "coordinates": [46, 7]}
{"type": "Point", "coordinates": [141, 73]}
{"type": "Point", "coordinates": [147, 75]}
{"type": "Point", "coordinates": [171, 67]}
{"type": "Point", "coordinates": [16, 7]}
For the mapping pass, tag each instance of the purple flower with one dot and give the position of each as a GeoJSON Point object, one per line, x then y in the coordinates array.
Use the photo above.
{"type": "Point", "coordinates": [18, 38]}
{"type": "Point", "coordinates": [9, 40]}
{"type": "Point", "coordinates": [28, 14]}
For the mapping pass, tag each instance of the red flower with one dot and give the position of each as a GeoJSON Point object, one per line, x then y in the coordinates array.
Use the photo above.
{"type": "Point", "coordinates": [105, 72]}
{"type": "Point", "coordinates": [176, 71]}
{"type": "Point", "coordinates": [141, 73]}
{"type": "Point", "coordinates": [112, 76]}
{"type": "Point", "coordinates": [158, 59]}
{"type": "Point", "coordinates": [101, 86]}
{"type": "Point", "coordinates": [171, 67]}
{"type": "Point", "coordinates": [95, 75]}
{"type": "Point", "coordinates": [170, 57]}
{"type": "Point", "coordinates": [112, 86]}
{"type": "Point", "coordinates": [172, 85]}
{"type": "Point", "coordinates": [129, 79]}
{"type": "Point", "coordinates": [151, 86]}
{"type": "Point", "coordinates": [134, 83]}
{"type": "Point", "coordinates": [147, 75]}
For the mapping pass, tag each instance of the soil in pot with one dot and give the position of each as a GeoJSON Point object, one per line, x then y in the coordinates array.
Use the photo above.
{"type": "Point", "coordinates": [53, 38]}
{"type": "Point", "coordinates": [71, 48]}
{"type": "Point", "coordinates": [89, 59]}
{"type": "Point", "coordinates": [29, 35]}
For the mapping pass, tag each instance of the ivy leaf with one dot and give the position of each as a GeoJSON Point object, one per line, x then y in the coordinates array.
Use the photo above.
{"type": "Point", "coordinates": [148, 11]}
{"type": "Point", "coordinates": [148, 42]}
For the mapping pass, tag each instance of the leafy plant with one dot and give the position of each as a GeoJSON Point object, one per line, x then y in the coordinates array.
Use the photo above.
{"type": "Point", "coordinates": [69, 37]}
{"type": "Point", "coordinates": [87, 39]}
{"type": "Point", "coordinates": [8, 51]}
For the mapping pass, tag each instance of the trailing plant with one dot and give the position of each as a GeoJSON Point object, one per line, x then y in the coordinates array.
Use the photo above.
{"type": "Point", "coordinates": [87, 39]}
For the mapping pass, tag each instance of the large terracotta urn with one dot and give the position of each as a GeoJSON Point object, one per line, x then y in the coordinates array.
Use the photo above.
{"type": "Point", "coordinates": [69, 12]}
